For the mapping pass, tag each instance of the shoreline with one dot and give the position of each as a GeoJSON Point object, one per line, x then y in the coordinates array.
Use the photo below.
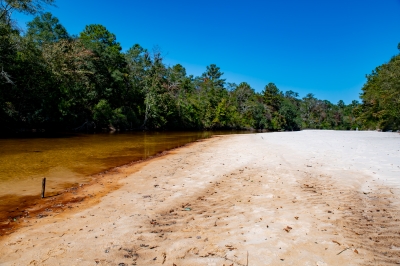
{"type": "Point", "coordinates": [89, 193]}
{"type": "Point", "coordinates": [256, 199]}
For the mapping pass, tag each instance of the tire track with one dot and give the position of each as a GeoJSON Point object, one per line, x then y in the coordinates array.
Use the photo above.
{"type": "Point", "coordinates": [368, 220]}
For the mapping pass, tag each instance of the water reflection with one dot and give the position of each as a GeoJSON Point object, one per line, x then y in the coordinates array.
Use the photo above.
{"type": "Point", "coordinates": [69, 160]}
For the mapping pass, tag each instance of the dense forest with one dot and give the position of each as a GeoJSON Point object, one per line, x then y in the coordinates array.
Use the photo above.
{"type": "Point", "coordinates": [51, 80]}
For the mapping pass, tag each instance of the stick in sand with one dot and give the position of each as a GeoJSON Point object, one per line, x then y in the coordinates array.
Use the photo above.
{"type": "Point", "coordinates": [342, 251]}
{"type": "Point", "coordinates": [43, 186]}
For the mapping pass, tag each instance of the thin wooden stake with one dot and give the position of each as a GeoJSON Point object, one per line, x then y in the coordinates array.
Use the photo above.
{"type": "Point", "coordinates": [43, 186]}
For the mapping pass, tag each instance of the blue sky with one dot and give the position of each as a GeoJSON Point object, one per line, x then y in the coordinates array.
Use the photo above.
{"type": "Point", "coordinates": [309, 46]}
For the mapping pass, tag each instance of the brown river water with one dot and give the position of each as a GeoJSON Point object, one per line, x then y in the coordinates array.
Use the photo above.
{"type": "Point", "coordinates": [71, 160]}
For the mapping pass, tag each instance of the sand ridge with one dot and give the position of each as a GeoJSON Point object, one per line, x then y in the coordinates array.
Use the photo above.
{"type": "Point", "coordinates": [257, 199]}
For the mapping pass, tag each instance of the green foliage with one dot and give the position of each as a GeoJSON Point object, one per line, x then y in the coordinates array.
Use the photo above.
{"type": "Point", "coordinates": [381, 97]}
{"type": "Point", "coordinates": [290, 115]}
{"type": "Point", "coordinates": [51, 80]}
{"type": "Point", "coordinates": [212, 77]}
{"type": "Point", "coordinates": [259, 117]}
{"type": "Point", "coordinates": [69, 63]}
{"type": "Point", "coordinates": [272, 96]}
{"type": "Point", "coordinates": [25, 96]}
{"type": "Point", "coordinates": [31, 7]}
{"type": "Point", "coordinates": [46, 29]}
{"type": "Point", "coordinates": [104, 113]}
{"type": "Point", "coordinates": [320, 114]}
{"type": "Point", "coordinates": [226, 116]}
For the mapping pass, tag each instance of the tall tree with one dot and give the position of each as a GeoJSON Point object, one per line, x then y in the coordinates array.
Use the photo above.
{"type": "Point", "coordinates": [213, 76]}
{"type": "Point", "coordinates": [159, 107]}
{"type": "Point", "coordinates": [242, 95]}
{"type": "Point", "coordinates": [70, 65]}
{"type": "Point", "coordinates": [110, 78]}
{"type": "Point", "coordinates": [30, 7]}
{"type": "Point", "coordinates": [381, 97]}
{"type": "Point", "coordinates": [272, 96]}
{"type": "Point", "coordinates": [211, 91]}
{"type": "Point", "coordinates": [45, 29]}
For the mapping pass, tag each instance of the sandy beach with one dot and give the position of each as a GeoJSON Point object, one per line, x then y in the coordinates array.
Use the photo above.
{"type": "Point", "coordinates": [290, 198]}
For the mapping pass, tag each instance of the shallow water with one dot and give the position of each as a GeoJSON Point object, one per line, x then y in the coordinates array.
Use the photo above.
{"type": "Point", "coordinates": [66, 161]}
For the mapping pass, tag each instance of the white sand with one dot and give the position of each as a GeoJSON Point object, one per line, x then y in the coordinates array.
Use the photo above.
{"type": "Point", "coordinates": [376, 154]}
{"type": "Point", "coordinates": [293, 198]}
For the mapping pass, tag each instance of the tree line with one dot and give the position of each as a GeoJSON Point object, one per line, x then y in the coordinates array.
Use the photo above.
{"type": "Point", "coordinates": [56, 81]}
{"type": "Point", "coordinates": [381, 97]}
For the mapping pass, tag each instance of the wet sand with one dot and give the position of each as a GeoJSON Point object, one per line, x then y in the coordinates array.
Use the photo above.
{"type": "Point", "coordinates": [295, 198]}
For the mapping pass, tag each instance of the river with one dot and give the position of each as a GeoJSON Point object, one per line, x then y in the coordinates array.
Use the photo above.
{"type": "Point", "coordinates": [69, 160]}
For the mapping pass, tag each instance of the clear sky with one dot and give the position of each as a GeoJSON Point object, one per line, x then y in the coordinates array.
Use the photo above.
{"type": "Point", "coordinates": [310, 46]}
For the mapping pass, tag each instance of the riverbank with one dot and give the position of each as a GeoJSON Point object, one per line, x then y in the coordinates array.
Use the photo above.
{"type": "Point", "coordinates": [301, 198]}
{"type": "Point", "coordinates": [71, 161]}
